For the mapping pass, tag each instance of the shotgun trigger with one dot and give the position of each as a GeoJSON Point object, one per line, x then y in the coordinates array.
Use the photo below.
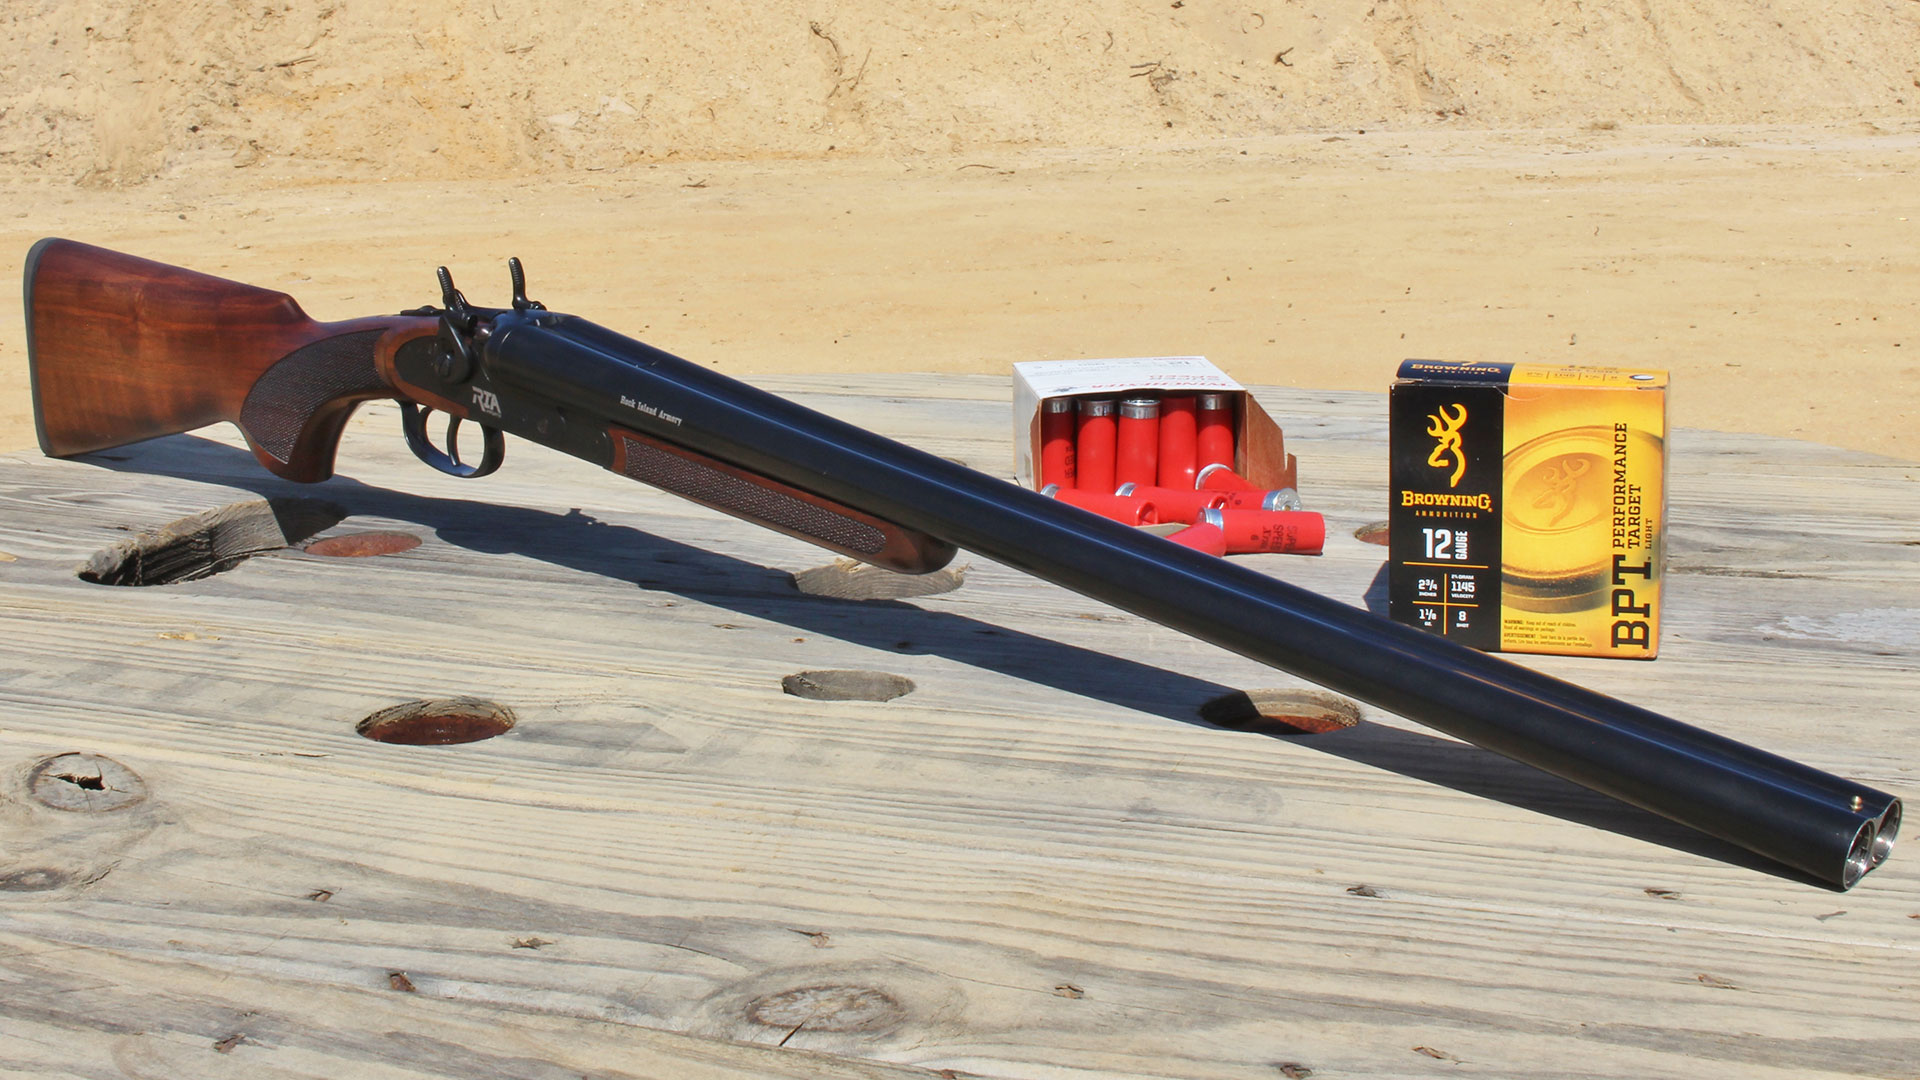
{"type": "Point", "coordinates": [413, 421]}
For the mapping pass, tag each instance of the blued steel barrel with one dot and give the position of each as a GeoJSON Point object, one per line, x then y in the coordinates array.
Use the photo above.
{"type": "Point", "coordinates": [1822, 825]}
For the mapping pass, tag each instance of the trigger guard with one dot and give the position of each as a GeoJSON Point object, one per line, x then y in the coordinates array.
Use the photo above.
{"type": "Point", "coordinates": [413, 421]}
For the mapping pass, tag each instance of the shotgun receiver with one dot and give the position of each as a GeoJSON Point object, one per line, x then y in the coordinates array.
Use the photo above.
{"type": "Point", "coordinates": [122, 349]}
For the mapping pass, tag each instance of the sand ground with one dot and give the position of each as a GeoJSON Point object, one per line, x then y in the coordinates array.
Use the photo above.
{"type": "Point", "coordinates": [1773, 269]}
{"type": "Point", "coordinates": [1305, 192]}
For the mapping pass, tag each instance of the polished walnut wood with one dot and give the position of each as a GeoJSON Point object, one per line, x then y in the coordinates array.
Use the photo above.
{"type": "Point", "coordinates": [124, 349]}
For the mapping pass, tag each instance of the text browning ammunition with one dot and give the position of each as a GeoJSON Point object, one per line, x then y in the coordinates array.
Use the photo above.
{"type": "Point", "coordinates": [102, 336]}
{"type": "Point", "coordinates": [1528, 506]}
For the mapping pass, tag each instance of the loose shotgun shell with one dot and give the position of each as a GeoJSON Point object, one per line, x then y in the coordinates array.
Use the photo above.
{"type": "Point", "coordinates": [1213, 435]}
{"type": "Point", "coordinates": [1297, 532]}
{"type": "Point", "coordinates": [1175, 504]}
{"type": "Point", "coordinates": [1094, 445]}
{"type": "Point", "coordinates": [1277, 499]}
{"type": "Point", "coordinates": [1177, 466]}
{"type": "Point", "coordinates": [1057, 424]}
{"type": "Point", "coordinates": [1125, 509]}
{"type": "Point", "coordinates": [1218, 477]}
{"type": "Point", "coordinates": [1201, 537]}
{"type": "Point", "coordinates": [1137, 446]}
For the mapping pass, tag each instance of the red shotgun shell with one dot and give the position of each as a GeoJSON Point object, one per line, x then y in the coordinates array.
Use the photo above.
{"type": "Point", "coordinates": [1298, 532]}
{"type": "Point", "coordinates": [1201, 537]}
{"type": "Point", "coordinates": [1177, 504]}
{"type": "Point", "coordinates": [1218, 477]}
{"type": "Point", "coordinates": [1178, 442]}
{"type": "Point", "coordinates": [1138, 441]}
{"type": "Point", "coordinates": [1213, 436]}
{"type": "Point", "coordinates": [1057, 424]}
{"type": "Point", "coordinates": [1094, 446]}
{"type": "Point", "coordinates": [1277, 499]}
{"type": "Point", "coordinates": [1125, 509]}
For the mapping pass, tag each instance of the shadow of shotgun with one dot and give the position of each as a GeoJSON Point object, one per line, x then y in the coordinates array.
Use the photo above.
{"type": "Point", "coordinates": [581, 542]}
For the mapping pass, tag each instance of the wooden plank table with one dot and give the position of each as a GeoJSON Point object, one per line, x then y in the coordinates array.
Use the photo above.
{"type": "Point", "coordinates": [1037, 863]}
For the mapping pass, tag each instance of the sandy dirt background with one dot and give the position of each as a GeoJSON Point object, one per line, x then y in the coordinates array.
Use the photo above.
{"type": "Point", "coordinates": [1306, 192]}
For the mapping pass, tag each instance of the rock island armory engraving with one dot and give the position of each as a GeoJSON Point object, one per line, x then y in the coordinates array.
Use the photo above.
{"type": "Point", "coordinates": [650, 410]}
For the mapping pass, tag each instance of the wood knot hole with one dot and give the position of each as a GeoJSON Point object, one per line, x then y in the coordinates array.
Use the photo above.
{"type": "Point", "coordinates": [85, 783]}
{"type": "Point", "coordinates": [845, 579]}
{"type": "Point", "coordinates": [437, 722]}
{"type": "Point", "coordinates": [851, 685]}
{"type": "Point", "coordinates": [1373, 532]}
{"type": "Point", "coordinates": [1281, 712]}
{"type": "Point", "coordinates": [360, 545]}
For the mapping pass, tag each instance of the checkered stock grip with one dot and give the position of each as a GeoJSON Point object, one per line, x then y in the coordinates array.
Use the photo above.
{"type": "Point", "coordinates": [290, 393]}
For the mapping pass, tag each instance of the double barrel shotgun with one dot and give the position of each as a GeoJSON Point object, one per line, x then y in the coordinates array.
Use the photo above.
{"type": "Point", "coordinates": [123, 349]}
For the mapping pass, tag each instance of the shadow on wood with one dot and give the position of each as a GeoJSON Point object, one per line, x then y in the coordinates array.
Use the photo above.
{"type": "Point", "coordinates": [579, 541]}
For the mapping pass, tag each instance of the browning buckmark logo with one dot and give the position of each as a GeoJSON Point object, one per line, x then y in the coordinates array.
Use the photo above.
{"type": "Point", "coordinates": [1445, 427]}
{"type": "Point", "coordinates": [1560, 483]}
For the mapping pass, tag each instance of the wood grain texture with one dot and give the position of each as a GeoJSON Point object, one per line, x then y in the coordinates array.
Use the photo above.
{"type": "Point", "coordinates": [124, 349]}
{"type": "Point", "coordinates": [1038, 863]}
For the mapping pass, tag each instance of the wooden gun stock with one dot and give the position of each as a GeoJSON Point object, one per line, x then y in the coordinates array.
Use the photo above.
{"type": "Point", "coordinates": [122, 349]}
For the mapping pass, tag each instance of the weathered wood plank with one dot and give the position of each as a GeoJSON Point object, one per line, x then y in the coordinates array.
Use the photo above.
{"type": "Point", "coordinates": [1038, 863]}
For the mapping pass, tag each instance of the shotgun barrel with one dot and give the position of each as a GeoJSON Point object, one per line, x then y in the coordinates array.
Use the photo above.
{"type": "Point", "coordinates": [1830, 828]}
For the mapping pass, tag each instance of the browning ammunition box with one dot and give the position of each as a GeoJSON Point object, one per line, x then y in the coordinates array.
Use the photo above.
{"type": "Point", "coordinates": [1529, 506]}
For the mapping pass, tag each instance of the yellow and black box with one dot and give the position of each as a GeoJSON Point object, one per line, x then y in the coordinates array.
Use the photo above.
{"type": "Point", "coordinates": [1529, 506]}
